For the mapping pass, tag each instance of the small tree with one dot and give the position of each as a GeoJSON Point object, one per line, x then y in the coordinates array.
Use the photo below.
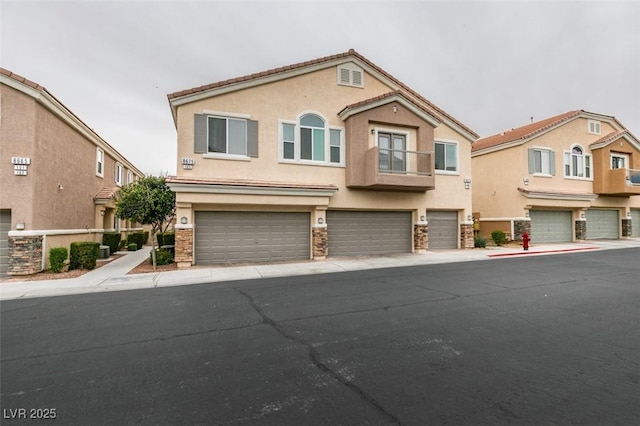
{"type": "Point", "coordinates": [148, 201]}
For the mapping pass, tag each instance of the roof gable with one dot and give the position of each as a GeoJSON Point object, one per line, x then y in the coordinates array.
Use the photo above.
{"type": "Point", "coordinates": [614, 136]}
{"type": "Point", "coordinates": [190, 95]}
{"type": "Point", "coordinates": [520, 135]}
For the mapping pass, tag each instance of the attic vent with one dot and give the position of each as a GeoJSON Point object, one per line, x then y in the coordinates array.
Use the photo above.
{"type": "Point", "coordinates": [350, 75]}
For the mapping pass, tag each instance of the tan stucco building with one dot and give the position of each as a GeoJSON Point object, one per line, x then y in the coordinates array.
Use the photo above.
{"type": "Point", "coordinates": [58, 177]}
{"type": "Point", "coordinates": [571, 177]}
{"type": "Point", "coordinates": [330, 157]}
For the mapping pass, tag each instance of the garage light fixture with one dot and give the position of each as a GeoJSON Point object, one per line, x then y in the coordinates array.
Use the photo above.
{"type": "Point", "coordinates": [183, 220]}
{"type": "Point", "coordinates": [320, 221]}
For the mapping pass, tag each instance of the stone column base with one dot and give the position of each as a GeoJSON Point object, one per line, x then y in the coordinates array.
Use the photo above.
{"type": "Point", "coordinates": [466, 236]}
{"type": "Point", "coordinates": [25, 255]}
{"type": "Point", "coordinates": [184, 247]}
{"type": "Point", "coordinates": [420, 237]}
{"type": "Point", "coordinates": [519, 228]}
{"type": "Point", "coordinates": [626, 227]}
{"type": "Point", "coordinates": [581, 230]}
{"type": "Point", "coordinates": [320, 242]}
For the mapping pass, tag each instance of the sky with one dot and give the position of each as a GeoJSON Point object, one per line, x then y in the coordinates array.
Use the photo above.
{"type": "Point", "coordinates": [491, 65]}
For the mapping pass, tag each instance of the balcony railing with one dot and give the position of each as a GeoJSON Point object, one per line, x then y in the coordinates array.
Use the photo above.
{"type": "Point", "coordinates": [633, 177]}
{"type": "Point", "coordinates": [404, 162]}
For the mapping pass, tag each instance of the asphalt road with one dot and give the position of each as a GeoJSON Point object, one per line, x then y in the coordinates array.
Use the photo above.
{"type": "Point", "coordinates": [522, 341]}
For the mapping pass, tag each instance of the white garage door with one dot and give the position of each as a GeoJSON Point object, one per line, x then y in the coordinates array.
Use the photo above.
{"type": "Point", "coordinates": [234, 237]}
{"type": "Point", "coordinates": [5, 226]}
{"type": "Point", "coordinates": [352, 233]}
{"type": "Point", "coordinates": [635, 223]}
{"type": "Point", "coordinates": [551, 226]}
{"type": "Point", "coordinates": [443, 229]}
{"type": "Point", "coordinates": [602, 224]}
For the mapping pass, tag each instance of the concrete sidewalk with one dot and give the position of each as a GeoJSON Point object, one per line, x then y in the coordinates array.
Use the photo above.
{"type": "Point", "coordinates": [113, 276]}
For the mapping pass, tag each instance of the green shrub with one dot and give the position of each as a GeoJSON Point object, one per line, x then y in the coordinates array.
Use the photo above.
{"type": "Point", "coordinates": [57, 256]}
{"type": "Point", "coordinates": [163, 257]}
{"type": "Point", "coordinates": [132, 247]}
{"type": "Point", "coordinates": [83, 255]}
{"type": "Point", "coordinates": [123, 244]}
{"type": "Point", "coordinates": [499, 237]}
{"type": "Point", "coordinates": [111, 239]}
{"type": "Point", "coordinates": [480, 242]}
{"type": "Point", "coordinates": [137, 238]}
{"type": "Point", "coordinates": [166, 238]}
{"type": "Point", "coordinates": [146, 237]}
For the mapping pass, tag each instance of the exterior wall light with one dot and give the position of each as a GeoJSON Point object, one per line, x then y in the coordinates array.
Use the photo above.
{"type": "Point", "coordinates": [422, 218]}
{"type": "Point", "coordinates": [320, 221]}
{"type": "Point", "coordinates": [183, 220]}
{"type": "Point", "coordinates": [583, 216]}
{"type": "Point", "coordinates": [469, 218]}
{"type": "Point", "coordinates": [467, 183]}
{"type": "Point", "coordinates": [102, 212]}
{"type": "Point", "coordinates": [20, 226]}
{"type": "Point", "coordinates": [525, 180]}
{"type": "Point", "coordinates": [60, 187]}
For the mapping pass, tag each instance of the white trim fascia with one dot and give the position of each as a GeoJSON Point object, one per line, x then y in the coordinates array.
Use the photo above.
{"type": "Point", "coordinates": [626, 136]}
{"type": "Point", "coordinates": [185, 226]}
{"type": "Point", "coordinates": [385, 101]}
{"type": "Point", "coordinates": [249, 190]}
{"type": "Point", "coordinates": [55, 107]}
{"type": "Point", "coordinates": [557, 196]}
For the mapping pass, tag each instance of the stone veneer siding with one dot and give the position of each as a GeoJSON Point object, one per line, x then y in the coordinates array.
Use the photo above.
{"type": "Point", "coordinates": [581, 229]}
{"type": "Point", "coordinates": [626, 227]}
{"type": "Point", "coordinates": [320, 242]}
{"type": "Point", "coordinates": [466, 236]}
{"type": "Point", "coordinates": [25, 255]}
{"type": "Point", "coordinates": [420, 237]}
{"type": "Point", "coordinates": [520, 227]}
{"type": "Point", "coordinates": [184, 246]}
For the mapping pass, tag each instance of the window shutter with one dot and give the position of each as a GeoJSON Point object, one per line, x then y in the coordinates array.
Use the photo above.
{"type": "Point", "coordinates": [200, 134]}
{"type": "Point", "coordinates": [252, 138]}
{"type": "Point", "coordinates": [344, 76]}
{"type": "Point", "coordinates": [552, 163]}
{"type": "Point", "coordinates": [357, 78]}
{"type": "Point", "coordinates": [532, 167]}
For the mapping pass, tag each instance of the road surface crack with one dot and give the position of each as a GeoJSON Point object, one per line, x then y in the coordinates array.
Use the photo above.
{"type": "Point", "coordinates": [315, 358]}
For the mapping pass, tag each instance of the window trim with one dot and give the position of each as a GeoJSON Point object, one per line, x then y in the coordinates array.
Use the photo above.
{"type": "Point", "coordinates": [100, 162]}
{"type": "Point", "coordinates": [587, 158]}
{"type": "Point", "coordinates": [297, 143]}
{"type": "Point", "coordinates": [551, 169]}
{"type": "Point", "coordinates": [118, 173]}
{"type": "Point", "coordinates": [445, 142]}
{"type": "Point", "coordinates": [227, 119]}
{"type": "Point", "coordinates": [595, 123]}
{"type": "Point", "coordinates": [625, 157]}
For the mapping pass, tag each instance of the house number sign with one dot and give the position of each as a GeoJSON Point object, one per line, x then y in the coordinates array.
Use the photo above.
{"type": "Point", "coordinates": [20, 165]}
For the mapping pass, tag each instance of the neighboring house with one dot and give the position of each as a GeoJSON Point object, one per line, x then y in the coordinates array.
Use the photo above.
{"type": "Point", "coordinates": [330, 157]}
{"type": "Point", "coordinates": [571, 177]}
{"type": "Point", "coordinates": [58, 177]}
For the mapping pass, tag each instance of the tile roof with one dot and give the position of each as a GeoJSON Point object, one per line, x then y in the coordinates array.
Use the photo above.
{"type": "Point", "coordinates": [106, 193]}
{"type": "Point", "coordinates": [349, 53]}
{"type": "Point", "coordinates": [524, 132]}
{"type": "Point", "coordinates": [246, 182]}
{"type": "Point", "coordinates": [611, 137]}
{"type": "Point", "coordinates": [21, 79]}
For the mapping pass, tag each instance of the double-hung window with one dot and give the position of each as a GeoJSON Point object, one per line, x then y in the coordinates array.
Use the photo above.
{"type": "Point", "coordinates": [446, 154]}
{"type": "Point", "coordinates": [225, 136]}
{"type": "Point", "coordinates": [577, 163]}
{"type": "Point", "coordinates": [99, 162]}
{"type": "Point", "coordinates": [542, 161]}
{"type": "Point", "coordinates": [118, 174]}
{"type": "Point", "coordinates": [311, 139]}
{"type": "Point", "coordinates": [619, 161]}
{"type": "Point", "coordinates": [129, 177]}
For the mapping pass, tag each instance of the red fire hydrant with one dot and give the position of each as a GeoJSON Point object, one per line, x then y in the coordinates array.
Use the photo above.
{"type": "Point", "coordinates": [525, 241]}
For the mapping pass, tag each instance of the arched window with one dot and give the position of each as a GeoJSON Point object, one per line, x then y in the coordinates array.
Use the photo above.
{"type": "Point", "coordinates": [311, 139]}
{"type": "Point", "coordinates": [577, 163]}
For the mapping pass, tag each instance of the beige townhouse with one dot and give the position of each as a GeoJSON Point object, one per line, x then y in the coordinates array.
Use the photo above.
{"type": "Point", "coordinates": [571, 177]}
{"type": "Point", "coordinates": [330, 157]}
{"type": "Point", "coordinates": [58, 177]}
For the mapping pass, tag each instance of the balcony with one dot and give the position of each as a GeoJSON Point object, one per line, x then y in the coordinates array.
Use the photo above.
{"type": "Point", "coordinates": [392, 169]}
{"type": "Point", "coordinates": [622, 182]}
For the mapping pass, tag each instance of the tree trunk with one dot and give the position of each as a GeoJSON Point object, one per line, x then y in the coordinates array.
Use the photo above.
{"type": "Point", "coordinates": [153, 248]}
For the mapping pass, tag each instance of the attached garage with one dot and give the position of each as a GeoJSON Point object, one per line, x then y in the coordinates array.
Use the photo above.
{"type": "Point", "coordinates": [5, 226]}
{"type": "Point", "coordinates": [602, 224]}
{"type": "Point", "coordinates": [551, 226]}
{"type": "Point", "coordinates": [235, 237]}
{"type": "Point", "coordinates": [352, 233]}
{"type": "Point", "coordinates": [443, 229]}
{"type": "Point", "coordinates": [635, 223]}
